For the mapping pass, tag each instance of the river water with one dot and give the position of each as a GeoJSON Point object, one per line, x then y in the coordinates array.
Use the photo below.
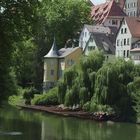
{"type": "Point", "coordinates": [18, 124]}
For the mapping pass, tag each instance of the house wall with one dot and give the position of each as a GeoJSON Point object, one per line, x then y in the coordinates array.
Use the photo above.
{"type": "Point", "coordinates": [61, 67]}
{"type": "Point", "coordinates": [123, 41]}
{"type": "Point", "coordinates": [131, 7]}
{"type": "Point", "coordinates": [90, 47]}
{"type": "Point", "coordinates": [50, 70]}
{"type": "Point", "coordinates": [113, 22]}
{"type": "Point", "coordinates": [84, 37]}
{"type": "Point", "coordinates": [135, 56]}
{"type": "Point", "coordinates": [85, 34]}
{"type": "Point", "coordinates": [73, 58]}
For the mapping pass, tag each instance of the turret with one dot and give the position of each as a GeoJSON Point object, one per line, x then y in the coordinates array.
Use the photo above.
{"type": "Point", "coordinates": [51, 67]}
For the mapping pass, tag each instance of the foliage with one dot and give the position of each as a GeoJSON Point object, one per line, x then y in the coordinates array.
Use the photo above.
{"type": "Point", "coordinates": [86, 106]}
{"type": "Point", "coordinates": [29, 94]}
{"type": "Point", "coordinates": [102, 108]}
{"type": "Point", "coordinates": [111, 87]}
{"type": "Point", "coordinates": [49, 98]}
{"type": "Point", "coordinates": [134, 91]}
{"type": "Point", "coordinates": [77, 86]}
{"type": "Point", "coordinates": [64, 18]}
{"type": "Point", "coordinates": [24, 60]}
{"type": "Point", "coordinates": [16, 18]}
{"type": "Point", "coordinates": [15, 100]}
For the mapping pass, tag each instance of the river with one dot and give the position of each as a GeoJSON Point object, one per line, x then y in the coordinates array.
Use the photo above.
{"type": "Point", "coordinates": [18, 124]}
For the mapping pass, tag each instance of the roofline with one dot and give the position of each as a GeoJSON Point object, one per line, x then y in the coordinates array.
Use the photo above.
{"type": "Point", "coordinates": [70, 53]}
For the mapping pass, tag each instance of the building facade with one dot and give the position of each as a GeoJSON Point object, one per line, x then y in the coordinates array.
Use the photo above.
{"type": "Point", "coordinates": [88, 30]}
{"type": "Point", "coordinates": [128, 34]}
{"type": "Point", "coordinates": [56, 61]}
{"type": "Point", "coordinates": [100, 42]}
{"type": "Point", "coordinates": [131, 7]}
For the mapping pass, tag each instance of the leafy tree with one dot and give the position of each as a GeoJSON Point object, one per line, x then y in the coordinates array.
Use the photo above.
{"type": "Point", "coordinates": [111, 86]}
{"type": "Point", "coordinates": [16, 18]}
{"type": "Point", "coordinates": [134, 91]}
{"type": "Point", "coordinates": [24, 60]}
{"type": "Point", "coordinates": [64, 18]}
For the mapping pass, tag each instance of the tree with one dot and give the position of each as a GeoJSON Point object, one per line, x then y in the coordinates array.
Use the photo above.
{"type": "Point", "coordinates": [24, 60]}
{"type": "Point", "coordinates": [64, 18]}
{"type": "Point", "coordinates": [16, 19]}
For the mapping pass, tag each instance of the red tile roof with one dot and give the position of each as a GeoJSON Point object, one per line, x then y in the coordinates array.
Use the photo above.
{"type": "Point", "coordinates": [101, 12]}
{"type": "Point", "coordinates": [134, 26]}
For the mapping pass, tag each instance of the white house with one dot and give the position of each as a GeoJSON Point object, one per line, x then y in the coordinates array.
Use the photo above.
{"type": "Point", "coordinates": [131, 7]}
{"type": "Point", "coordinates": [86, 33]}
{"type": "Point", "coordinates": [101, 42]}
{"type": "Point", "coordinates": [128, 34]}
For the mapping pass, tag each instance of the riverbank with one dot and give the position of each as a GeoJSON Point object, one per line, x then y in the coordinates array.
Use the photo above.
{"type": "Point", "coordinates": [69, 113]}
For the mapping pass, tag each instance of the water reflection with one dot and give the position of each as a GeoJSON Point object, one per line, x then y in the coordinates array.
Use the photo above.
{"type": "Point", "coordinates": [73, 129]}
{"type": "Point", "coordinates": [43, 126]}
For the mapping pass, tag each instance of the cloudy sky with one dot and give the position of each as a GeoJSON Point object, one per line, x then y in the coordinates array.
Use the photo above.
{"type": "Point", "coordinates": [98, 1]}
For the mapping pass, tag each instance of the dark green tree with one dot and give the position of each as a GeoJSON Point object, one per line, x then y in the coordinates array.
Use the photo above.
{"type": "Point", "coordinates": [16, 20]}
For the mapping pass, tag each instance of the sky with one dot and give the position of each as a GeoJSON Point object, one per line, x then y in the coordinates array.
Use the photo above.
{"type": "Point", "coordinates": [98, 1]}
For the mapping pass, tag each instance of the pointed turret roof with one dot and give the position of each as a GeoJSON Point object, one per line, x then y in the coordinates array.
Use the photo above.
{"type": "Point", "coordinates": [53, 53]}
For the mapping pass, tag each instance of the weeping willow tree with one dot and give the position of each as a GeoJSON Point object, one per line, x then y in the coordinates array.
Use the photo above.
{"type": "Point", "coordinates": [77, 86]}
{"type": "Point", "coordinates": [134, 91]}
{"type": "Point", "coordinates": [111, 86]}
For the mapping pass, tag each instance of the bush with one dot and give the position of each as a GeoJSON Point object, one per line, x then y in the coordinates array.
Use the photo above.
{"type": "Point", "coordinates": [101, 108]}
{"type": "Point", "coordinates": [28, 94]}
{"type": "Point", "coordinates": [86, 106]}
{"type": "Point", "coordinates": [49, 98]}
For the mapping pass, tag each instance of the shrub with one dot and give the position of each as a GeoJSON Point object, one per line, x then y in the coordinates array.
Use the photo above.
{"type": "Point", "coordinates": [86, 106]}
{"type": "Point", "coordinates": [101, 108]}
{"type": "Point", "coordinates": [49, 98]}
{"type": "Point", "coordinates": [28, 94]}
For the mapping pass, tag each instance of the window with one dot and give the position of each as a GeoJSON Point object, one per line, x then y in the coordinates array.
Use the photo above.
{"type": "Point", "coordinates": [127, 53]}
{"type": "Point", "coordinates": [114, 22]}
{"type": "Point", "coordinates": [60, 73]}
{"type": "Point", "coordinates": [125, 30]}
{"type": "Point", "coordinates": [121, 43]}
{"type": "Point", "coordinates": [124, 53]}
{"type": "Point", "coordinates": [134, 4]}
{"type": "Point", "coordinates": [118, 42]}
{"type": "Point", "coordinates": [52, 72]}
{"type": "Point", "coordinates": [134, 13]}
{"type": "Point", "coordinates": [122, 31]}
{"type": "Point", "coordinates": [128, 41]}
{"type": "Point", "coordinates": [124, 41]}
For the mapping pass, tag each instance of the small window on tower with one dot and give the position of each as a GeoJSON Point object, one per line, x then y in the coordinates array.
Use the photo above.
{"type": "Point", "coordinates": [52, 72]}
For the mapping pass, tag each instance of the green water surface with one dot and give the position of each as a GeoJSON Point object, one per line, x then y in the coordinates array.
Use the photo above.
{"type": "Point", "coordinates": [18, 124]}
